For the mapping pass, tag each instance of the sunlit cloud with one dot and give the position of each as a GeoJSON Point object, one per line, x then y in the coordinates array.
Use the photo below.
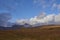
{"type": "Point", "coordinates": [45, 19]}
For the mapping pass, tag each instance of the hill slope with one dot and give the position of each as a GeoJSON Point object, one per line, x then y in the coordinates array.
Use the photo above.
{"type": "Point", "coordinates": [37, 33]}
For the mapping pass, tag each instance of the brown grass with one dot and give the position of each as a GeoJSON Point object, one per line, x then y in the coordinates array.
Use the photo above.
{"type": "Point", "coordinates": [31, 34]}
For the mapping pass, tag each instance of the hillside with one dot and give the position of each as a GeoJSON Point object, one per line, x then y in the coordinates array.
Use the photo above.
{"type": "Point", "coordinates": [46, 32]}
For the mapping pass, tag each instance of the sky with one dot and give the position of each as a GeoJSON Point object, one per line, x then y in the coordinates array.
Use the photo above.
{"type": "Point", "coordinates": [27, 9]}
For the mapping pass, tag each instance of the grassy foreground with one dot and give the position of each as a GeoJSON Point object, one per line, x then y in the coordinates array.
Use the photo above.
{"type": "Point", "coordinates": [31, 34]}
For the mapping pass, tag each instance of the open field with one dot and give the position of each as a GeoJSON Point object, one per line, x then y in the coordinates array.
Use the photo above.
{"type": "Point", "coordinates": [37, 33]}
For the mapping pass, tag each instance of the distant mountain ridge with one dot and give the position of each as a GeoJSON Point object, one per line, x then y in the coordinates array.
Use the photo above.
{"type": "Point", "coordinates": [15, 26]}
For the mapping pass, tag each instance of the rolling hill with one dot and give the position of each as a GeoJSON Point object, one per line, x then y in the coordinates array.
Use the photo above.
{"type": "Point", "coordinates": [46, 32]}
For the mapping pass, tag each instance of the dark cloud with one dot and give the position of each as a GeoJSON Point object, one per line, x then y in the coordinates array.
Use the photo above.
{"type": "Point", "coordinates": [4, 18]}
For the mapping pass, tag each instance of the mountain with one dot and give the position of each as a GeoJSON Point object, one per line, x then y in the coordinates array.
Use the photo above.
{"type": "Point", "coordinates": [15, 26]}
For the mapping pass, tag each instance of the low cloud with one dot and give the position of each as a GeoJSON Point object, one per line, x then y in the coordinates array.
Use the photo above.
{"type": "Point", "coordinates": [46, 19]}
{"type": "Point", "coordinates": [21, 21]}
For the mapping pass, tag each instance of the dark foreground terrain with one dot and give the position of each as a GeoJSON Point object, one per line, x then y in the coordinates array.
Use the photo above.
{"type": "Point", "coordinates": [37, 33]}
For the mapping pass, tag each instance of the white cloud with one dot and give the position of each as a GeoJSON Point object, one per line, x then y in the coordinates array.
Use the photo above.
{"type": "Point", "coordinates": [22, 21]}
{"type": "Point", "coordinates": [44, 3]}
{"type": "Point", "coordinates": [57, 18]}
{"type": "Point", "coordinates": [55, 7]}
{"type": "Point", "coordinates": [45, 19]}
{"type": "Point", "coordinates": [48, 19]}
{"type": "Point", "coordinates": [47, 4]}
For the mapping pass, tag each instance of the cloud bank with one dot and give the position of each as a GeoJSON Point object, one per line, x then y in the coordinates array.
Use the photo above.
{"type": "Point", "coordinates": [41, 19]}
